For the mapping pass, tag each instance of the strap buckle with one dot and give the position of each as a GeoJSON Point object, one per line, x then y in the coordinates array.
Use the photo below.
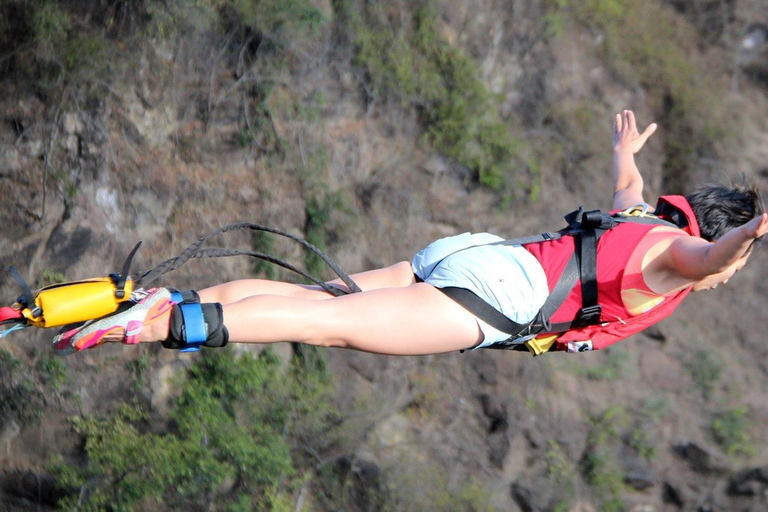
{"type": "Point", "coordinates": [592, 219]}
{"type": "Point", "coordinates": [585, 220]}
{"type": "Point", "coordinates": [589, 315]}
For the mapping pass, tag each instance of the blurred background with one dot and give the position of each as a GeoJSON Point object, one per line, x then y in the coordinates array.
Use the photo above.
{"type": "Point", "coordinates": [371, 128]}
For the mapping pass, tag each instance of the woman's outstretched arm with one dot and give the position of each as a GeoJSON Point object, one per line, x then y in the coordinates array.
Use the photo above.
{"type": "Point", "coordinates": [695, 258]}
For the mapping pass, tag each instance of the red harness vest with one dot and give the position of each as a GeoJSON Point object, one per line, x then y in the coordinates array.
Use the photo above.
{"type": "Point", "coordinates": [613, 252]}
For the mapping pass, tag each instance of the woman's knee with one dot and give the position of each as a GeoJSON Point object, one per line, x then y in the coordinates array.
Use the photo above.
{"type": "Point", "coordinates": [403, 273]}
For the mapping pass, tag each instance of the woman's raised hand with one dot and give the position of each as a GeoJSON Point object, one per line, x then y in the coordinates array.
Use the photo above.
{"type": "Point", "coordinates": [757, 227]}
{"type": "Point", "coordinates": [625, 134]}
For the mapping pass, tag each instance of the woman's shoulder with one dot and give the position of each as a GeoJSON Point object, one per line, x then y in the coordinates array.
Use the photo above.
{"type": "Point", "coordinates": [654, 266]}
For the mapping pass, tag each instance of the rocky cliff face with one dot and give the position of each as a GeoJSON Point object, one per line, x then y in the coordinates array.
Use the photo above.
{"type": "Point", "coordinates": [205, 128]}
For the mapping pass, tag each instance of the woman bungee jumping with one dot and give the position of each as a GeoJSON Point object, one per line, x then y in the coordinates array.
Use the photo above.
{"type": "Point", "coordinates": [603, 278]}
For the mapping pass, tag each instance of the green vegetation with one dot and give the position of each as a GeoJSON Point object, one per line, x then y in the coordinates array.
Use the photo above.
{"type": "Point", "coordinates": [427, 395]}
{"type": "Point", "coordinates": [246, 433]}
{"type": "Point", "coordinates": [320, 227]}
{"type": "Point", "coordinates": [646, 43]}
{"type": "Point", "coordinates": [407, 61]}
{"type": "Point", "coordinates": [643, 440]}
{"type": "Point", "coordinates": [28, 388]}
{"type": "Point", "coordinates": [264, 243]}
{"type": "Point", "coordinates": [601, 468]}
{"type": "Point", "coordinates": [644, 434]}
{"type": "Point", "coordinates": [139, 367]}
{"type": "Point", "coordinates": [279, 21]}
{"type": "Point", "coordinates": [561, 471]}
{"type": "Point", "coordinates": [654, 409]}
{"type": "Point", "coordinates": [415, 484]}
{"type": "Point", "coordinates": [229, 444]}
{"type": "Point", "coordinates": [48, 276]}
{"type": "Point", "coordinates": [43, 43]}
{"type": "Point", "coordinates": [614, 364]}
{"type": "Point", "coordinates": [730, 428]}
{"type": "Point", "coordinates": [705, 370]}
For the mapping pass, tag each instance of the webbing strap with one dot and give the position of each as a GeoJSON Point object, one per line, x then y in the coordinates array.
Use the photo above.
{"type": "Point", "coordinates": [676, 216]}
{"type": "Point", "coordinates": [586, 251]}
{"type": "Point", "coordinates": [194, 327]}
{"type": "Point", "coordinates": [27, 298]}
{"type": "Point", "coordinates": [565, 284]}
{"type": "Point", "coordinates": [194, 250]}
{"type": "Point", "coordinates": [123, 277]}
{"type": "Point", "coordinates": [484, 311]}
{"type": "Point", "coordinates": [525, 240]}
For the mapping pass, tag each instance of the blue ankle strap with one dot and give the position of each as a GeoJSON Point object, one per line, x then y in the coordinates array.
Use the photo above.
{"type": "Point", "coordinates": [194, 326]}
{"type": "Point", "coordinates": [176, 297]}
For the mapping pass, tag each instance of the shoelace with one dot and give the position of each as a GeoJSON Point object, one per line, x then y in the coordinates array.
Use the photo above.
{"type": "Point", "coordinates": [138, 295]}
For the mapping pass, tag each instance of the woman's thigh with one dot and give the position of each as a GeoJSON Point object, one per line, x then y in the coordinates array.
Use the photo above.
{"type": "Point", "coordinates": [412, 320]}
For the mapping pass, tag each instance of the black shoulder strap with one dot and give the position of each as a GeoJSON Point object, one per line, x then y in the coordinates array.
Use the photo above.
{"type": "Point", "coordinates": [586, 253]}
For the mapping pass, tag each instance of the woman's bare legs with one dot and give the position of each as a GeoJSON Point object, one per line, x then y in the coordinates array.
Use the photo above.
{"type": "Point", "coordinates": [412, 320]}
{"type": "Point", "coordinates": [393, 315]}
{"type": "Point", "coordinates": [397, 275]}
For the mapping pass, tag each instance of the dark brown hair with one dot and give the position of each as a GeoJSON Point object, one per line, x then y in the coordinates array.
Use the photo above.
{"type": "Point", "coordinates": [720, 208]}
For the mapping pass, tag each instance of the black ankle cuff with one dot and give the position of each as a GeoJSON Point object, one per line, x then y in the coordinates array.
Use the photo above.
{"type": "Point", "coordinates": [184, 296]}
{"type": "Point", "coordinates": [194, 325]}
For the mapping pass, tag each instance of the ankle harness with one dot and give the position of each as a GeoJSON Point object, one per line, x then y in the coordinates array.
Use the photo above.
{"type": "Point", "coordinates": [195, 325]}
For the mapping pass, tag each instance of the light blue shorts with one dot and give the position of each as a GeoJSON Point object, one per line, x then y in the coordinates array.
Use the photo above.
{"type": "Point", "coordinates": [509, 278]}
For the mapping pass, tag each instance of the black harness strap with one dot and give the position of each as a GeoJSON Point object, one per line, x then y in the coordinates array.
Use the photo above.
{"type": "Point", "coordinates": [591, 226]}
{"type": "Point", "coordinates": [481, 309]}
{"type": "Point", "coordinates": [565, 284]}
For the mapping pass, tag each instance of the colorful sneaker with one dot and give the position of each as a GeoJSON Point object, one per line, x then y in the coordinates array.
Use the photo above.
{"type": "Point", "coordinates": [144, 308]}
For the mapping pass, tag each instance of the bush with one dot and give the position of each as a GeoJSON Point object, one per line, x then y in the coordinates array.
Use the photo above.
{"type": "Point", "coordinates": [730, 429]}
{"type": "Point", "coordinates": [410, 64]}
{"type": "Point", "coordinates": [601, 468]}
{"type": "Point", "coordinates": [27, 390]}
{"type": "Point", "coordinates": [45, 44]}
{"type": "Point", "coordinates": [649, 44]}
{"type": "Point", "coordinates": [229, 444]}
{"type": "Point", "coordinates": [705, 370]}
{"type": "Point", "coordinates": [319, 227]}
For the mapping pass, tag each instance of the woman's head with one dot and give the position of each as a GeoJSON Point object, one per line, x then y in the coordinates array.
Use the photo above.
{"type": "Point", "coordinates": [719, 208]}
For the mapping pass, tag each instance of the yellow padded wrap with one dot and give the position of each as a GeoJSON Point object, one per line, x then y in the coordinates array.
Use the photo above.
{"type": "Point", "coordinates": [77, 301]}
{"type": "Point", "coordinates": [541, 344]}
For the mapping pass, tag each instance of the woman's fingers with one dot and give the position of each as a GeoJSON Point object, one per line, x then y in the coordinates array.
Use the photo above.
{"type": "Point", "coordinates": [762, 227]}
{"type": "Point", "coordinates": [649, 131]}
{"type": "Point", "coordinates": [758, 226]}
{"type": "Point", "coordinates": [631, 124]}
